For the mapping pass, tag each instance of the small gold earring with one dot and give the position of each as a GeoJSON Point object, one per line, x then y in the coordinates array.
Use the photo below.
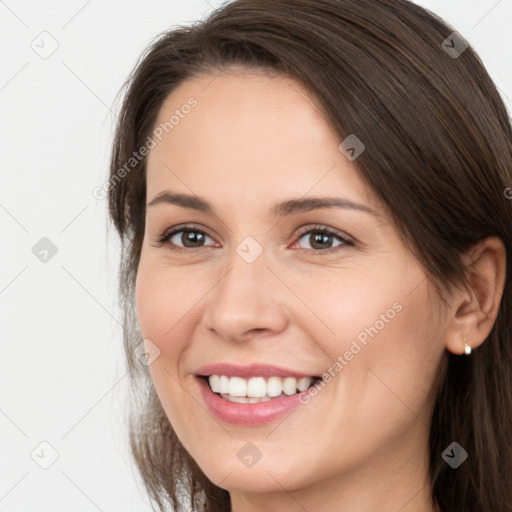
{"type": "Point", "coordinates": [467, 348]}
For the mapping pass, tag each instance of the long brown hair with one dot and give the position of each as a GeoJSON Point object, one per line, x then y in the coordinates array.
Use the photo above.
{"type": "Point", "coordinates": [438, 153]}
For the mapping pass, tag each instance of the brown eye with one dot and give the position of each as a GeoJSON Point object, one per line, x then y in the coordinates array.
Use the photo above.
{"type": "Point", "coordinates": [184, 238]}
{"type": "Point", "coordinates": [189, 238]}
{"type": "Point", "coordinates": [322, 239]}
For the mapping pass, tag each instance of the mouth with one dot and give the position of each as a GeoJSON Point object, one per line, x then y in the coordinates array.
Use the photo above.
{"type": "Point", "coordinates": [258, 388]}
{"type": "Point", "coordinates": [252, 395]}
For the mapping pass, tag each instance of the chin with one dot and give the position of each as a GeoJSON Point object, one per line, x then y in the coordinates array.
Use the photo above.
{"type": "Point", "coordinates": [261, 478]}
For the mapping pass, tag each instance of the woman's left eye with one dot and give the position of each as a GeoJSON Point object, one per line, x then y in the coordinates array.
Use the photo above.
{"type": "Point", "coordinates": [319, 239]}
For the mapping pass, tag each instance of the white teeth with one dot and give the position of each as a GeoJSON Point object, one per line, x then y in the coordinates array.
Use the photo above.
{"type": "Point", "coordinates": [214, 383]}
{"type": "Point", "coordinates": [245, 399]}
{"type": "Point", "coordinates": [304, 383]}
{"type": "Point", "coordinates": [237, 386]}
{"type": "Point", "coordinates": [274, 386]}
{"type": "Point", "coordinates": [223, 384]}
{"type": "Point", "coordinates": [238, 399]}
{"type": "Point", "coordinates": [256, 389]}
{"type": "Point", "coordinates": [289, 386]}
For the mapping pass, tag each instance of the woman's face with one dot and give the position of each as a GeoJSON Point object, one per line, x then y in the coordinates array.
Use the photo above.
{"type": "Point", "coordinates": [265, 295]}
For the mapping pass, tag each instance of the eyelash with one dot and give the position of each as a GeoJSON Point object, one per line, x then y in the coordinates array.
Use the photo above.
{"type": "Point", "coordinates": [163, 239]}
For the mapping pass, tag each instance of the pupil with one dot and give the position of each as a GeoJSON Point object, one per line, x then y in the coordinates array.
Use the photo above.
{"type": "Point", "coordinates": [320, 238]}
{"type": "Point", "coordinates": [192, 236]}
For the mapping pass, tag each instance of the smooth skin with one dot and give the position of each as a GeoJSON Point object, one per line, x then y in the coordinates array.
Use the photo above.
{"type": "Point", "coordinates": [360, 445]}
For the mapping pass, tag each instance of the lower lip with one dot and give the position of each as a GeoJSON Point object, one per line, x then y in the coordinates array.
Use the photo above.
{"type": "Point", "coordinates": [259, 413]}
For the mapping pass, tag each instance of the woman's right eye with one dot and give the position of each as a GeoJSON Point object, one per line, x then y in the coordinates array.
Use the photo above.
{"type": "Point", "coordinates": [190, 238]}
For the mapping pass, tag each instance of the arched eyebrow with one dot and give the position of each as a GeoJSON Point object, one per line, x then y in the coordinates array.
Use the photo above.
{"type": "Point", "coordinates": [288, 207]}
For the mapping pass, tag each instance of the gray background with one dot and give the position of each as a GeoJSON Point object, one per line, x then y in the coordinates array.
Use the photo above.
{"type": "Point", "coordinates": [62, 372]}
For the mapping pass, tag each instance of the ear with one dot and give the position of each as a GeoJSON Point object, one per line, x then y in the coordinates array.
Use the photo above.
{"type": "Point", "coordinates": [474, 308]}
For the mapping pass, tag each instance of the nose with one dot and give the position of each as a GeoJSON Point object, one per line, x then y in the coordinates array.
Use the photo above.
{"type": "Point", "coordinates": [247, 302]}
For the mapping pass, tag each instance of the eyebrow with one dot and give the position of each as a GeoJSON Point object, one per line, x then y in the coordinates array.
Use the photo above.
{"type": "Point", "coordinates": [288, 207]}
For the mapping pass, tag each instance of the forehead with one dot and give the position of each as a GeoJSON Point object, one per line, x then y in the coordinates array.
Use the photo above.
{"type": "Point", "coordinates": [248, 133]}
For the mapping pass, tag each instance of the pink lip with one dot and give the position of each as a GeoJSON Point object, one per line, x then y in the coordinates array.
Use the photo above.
{"type": "Point", "coordinates": [259, 413]}
{"type": "Point", "coordinates": [253, 370]}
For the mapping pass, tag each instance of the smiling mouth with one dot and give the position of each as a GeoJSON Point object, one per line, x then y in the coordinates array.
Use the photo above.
{"type": "Point", "coordinates": [257, 389]}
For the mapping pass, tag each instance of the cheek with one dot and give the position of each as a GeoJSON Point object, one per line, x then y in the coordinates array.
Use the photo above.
{"type": "Point", "coordinates": [387, 342]}
{"type": "Point", "coordinates": [168, 304]}
{"type": "Point", "coordinates": [355, 307]}
{"type": "Point", "coordinates": [150, 305]}
{"type": "Point", "coordinates": [401, 358]}
{"type": "Point", "coordinates": [164, 301]}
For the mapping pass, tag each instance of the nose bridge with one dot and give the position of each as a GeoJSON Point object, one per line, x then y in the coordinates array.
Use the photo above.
{"type": "Point", "coordinates": [246, 266]}
{"type": "Point", "coordinates": [245, 299]}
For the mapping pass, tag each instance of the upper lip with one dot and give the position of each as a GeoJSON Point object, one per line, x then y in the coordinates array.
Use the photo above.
{"type": "Point", "coordinates": [247, 371]}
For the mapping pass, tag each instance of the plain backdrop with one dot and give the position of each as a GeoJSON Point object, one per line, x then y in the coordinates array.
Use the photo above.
{"type": "Point", "coordinates": [63, 383]}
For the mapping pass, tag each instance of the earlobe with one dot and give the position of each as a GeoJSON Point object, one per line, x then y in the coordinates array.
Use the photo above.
{"type": "Point", "coordinates": [475, 307]}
